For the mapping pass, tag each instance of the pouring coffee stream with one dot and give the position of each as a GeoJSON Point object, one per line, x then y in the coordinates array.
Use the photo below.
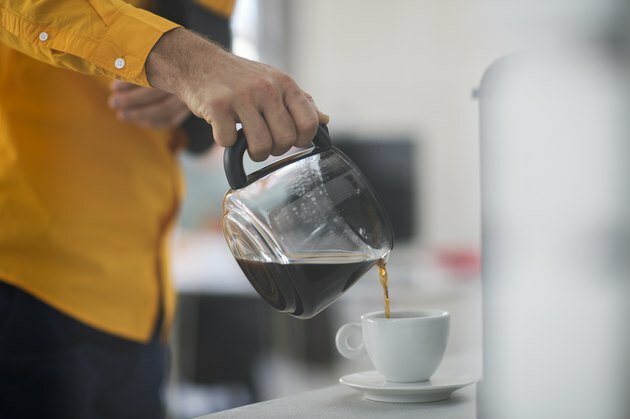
{"type": "Point", "coordinates": [384, 279]}
{"type": "Point", "coordinates": [303, 229]}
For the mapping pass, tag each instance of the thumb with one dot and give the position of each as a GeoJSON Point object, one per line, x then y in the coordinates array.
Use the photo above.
{"type": "Point", "coordinates": [323, 118]}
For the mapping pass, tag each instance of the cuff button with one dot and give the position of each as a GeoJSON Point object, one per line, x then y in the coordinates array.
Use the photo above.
{"type": "Point", "coordinates": [119, 63]}
{"type": "Point", "coordinates": [43, 36]}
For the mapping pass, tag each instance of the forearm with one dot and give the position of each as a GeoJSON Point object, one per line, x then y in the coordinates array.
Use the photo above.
{"type": "Point", "coordinates": [173, 60]}
{"type": "Point", "coordinates": [165, 66]}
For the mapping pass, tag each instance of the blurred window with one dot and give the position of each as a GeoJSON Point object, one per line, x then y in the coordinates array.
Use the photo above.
{"type": "Point", "coordinates": [245, 23]}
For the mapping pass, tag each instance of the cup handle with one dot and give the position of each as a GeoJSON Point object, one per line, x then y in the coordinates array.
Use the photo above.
{"type": "Point", "coordinates": [342, 341]}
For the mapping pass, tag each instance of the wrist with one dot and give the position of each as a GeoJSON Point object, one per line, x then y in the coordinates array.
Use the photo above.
{"type": "Point", "coordinates": [170, 64]}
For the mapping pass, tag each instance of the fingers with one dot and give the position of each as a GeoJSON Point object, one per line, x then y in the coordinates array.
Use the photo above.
{"type": "Point", "coordinates": [135, 96]}
{"type": "Point", "coordinates": [281, 127]}
{"type": "Point", "coordinates": [179, 117]}
{"type": "Point", "coordinates": [224, 130]}
{"type": "Point", "coordinates": [167, 113]}
{"type": "Point", "coordinates": [119, 86]}
{"type": "Point", "coordinates": [150, 108]}
{"type": "Point", "coordinates": [219, 113]}
{"type": "Point", "coordinates": [259, 139]}
{"type": "Point", "coordinates": [323, 118]}
{"type": "Point", "coordinates": [304, 115]}
{"type": "Point", "coordinates": [274, 111]}
{"type": "Point", "coordinates": [282, 123]}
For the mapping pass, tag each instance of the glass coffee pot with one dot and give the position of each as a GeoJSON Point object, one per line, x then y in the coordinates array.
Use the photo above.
{"type": "Point", "coordinates": [303, 229]}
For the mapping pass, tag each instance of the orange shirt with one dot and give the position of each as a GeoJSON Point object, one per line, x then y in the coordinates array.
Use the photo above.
{"type": "Point", "coordinates": [85, 201]}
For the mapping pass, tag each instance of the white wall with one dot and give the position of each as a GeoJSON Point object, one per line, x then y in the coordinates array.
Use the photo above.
{"type": "Point", "coordinates": [404, 66]}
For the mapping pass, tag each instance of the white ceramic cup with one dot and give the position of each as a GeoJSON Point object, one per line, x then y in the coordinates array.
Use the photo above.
{"type": "Point", "coordinates": [406, 348]}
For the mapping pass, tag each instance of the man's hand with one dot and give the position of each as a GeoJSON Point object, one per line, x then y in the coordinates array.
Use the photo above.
{"type": "Point", "coordinates": [150, 108]}
{"type": "Point", "coordinates": [224, 89]}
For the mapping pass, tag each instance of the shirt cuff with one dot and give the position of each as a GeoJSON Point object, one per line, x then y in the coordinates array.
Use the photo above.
{"type": "Point", "coordinates": [127, 43]}
{"type": "Point", "coordinates": [116, 46]}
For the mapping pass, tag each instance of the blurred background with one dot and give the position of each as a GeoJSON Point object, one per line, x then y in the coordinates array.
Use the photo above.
{"type": "Point", "coordinates": [401, 81]}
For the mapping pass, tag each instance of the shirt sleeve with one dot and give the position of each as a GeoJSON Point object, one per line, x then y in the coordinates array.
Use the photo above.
{"type": "Point", "coordinates": [223, 8]}
{"type": "Point", "coordinates": [103, 37]}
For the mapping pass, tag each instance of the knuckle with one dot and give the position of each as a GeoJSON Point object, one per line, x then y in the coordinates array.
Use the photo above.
{"type": "Point", "coordinates": [264, 86]}
{"type": "Point", "coordinates": [218, 105]}
{"type": "Point", "coordinates": [121, 101]}
{"type": "Point", "coordinates": [224, 139]}
{"type": "Point", "coordinates": [218, 138]}
{"type": "Point", "coordinates": [285, 140]}
{"type": "Point", "coordinates": [243, 97]}
{"type": "Point", "coordinates": [294, 93]}
{"type": "Point", "coordinates": [259, 151]}
{"type": "Point", "coordinates": [279, 151]}
{"type": "Point", "coordinates": [130, 115]}
{"type": "Point", "coordinates": [285, 80]}
{"type": "Point", "coordinates": [307, 124]}
{"type": "Point", "coordinates": [255, 155]}
{"type": "Point", "coordinates": [260, 145]}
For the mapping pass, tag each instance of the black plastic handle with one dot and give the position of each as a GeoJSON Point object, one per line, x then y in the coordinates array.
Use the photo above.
{"type": "Point", "coordinates": [233, 156]}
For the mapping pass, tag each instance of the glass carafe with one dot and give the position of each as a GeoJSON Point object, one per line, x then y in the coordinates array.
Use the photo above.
{"type": "Point", "coordinates": [303, 229]}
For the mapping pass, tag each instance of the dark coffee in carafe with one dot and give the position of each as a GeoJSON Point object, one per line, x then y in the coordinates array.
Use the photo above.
{"type": "Point", "coordinates": [302, 289]}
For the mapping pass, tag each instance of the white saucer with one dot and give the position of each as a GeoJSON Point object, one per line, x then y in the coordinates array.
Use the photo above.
{"type": "Point", "coordinates": [374, 387]}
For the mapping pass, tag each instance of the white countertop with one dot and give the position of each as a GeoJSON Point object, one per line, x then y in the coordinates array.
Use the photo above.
{"type": "Point", "coordinates": [344, 403]}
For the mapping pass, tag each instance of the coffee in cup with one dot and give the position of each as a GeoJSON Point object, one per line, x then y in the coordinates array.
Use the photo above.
{"type": "Point", "coordinates": [407, 347]}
